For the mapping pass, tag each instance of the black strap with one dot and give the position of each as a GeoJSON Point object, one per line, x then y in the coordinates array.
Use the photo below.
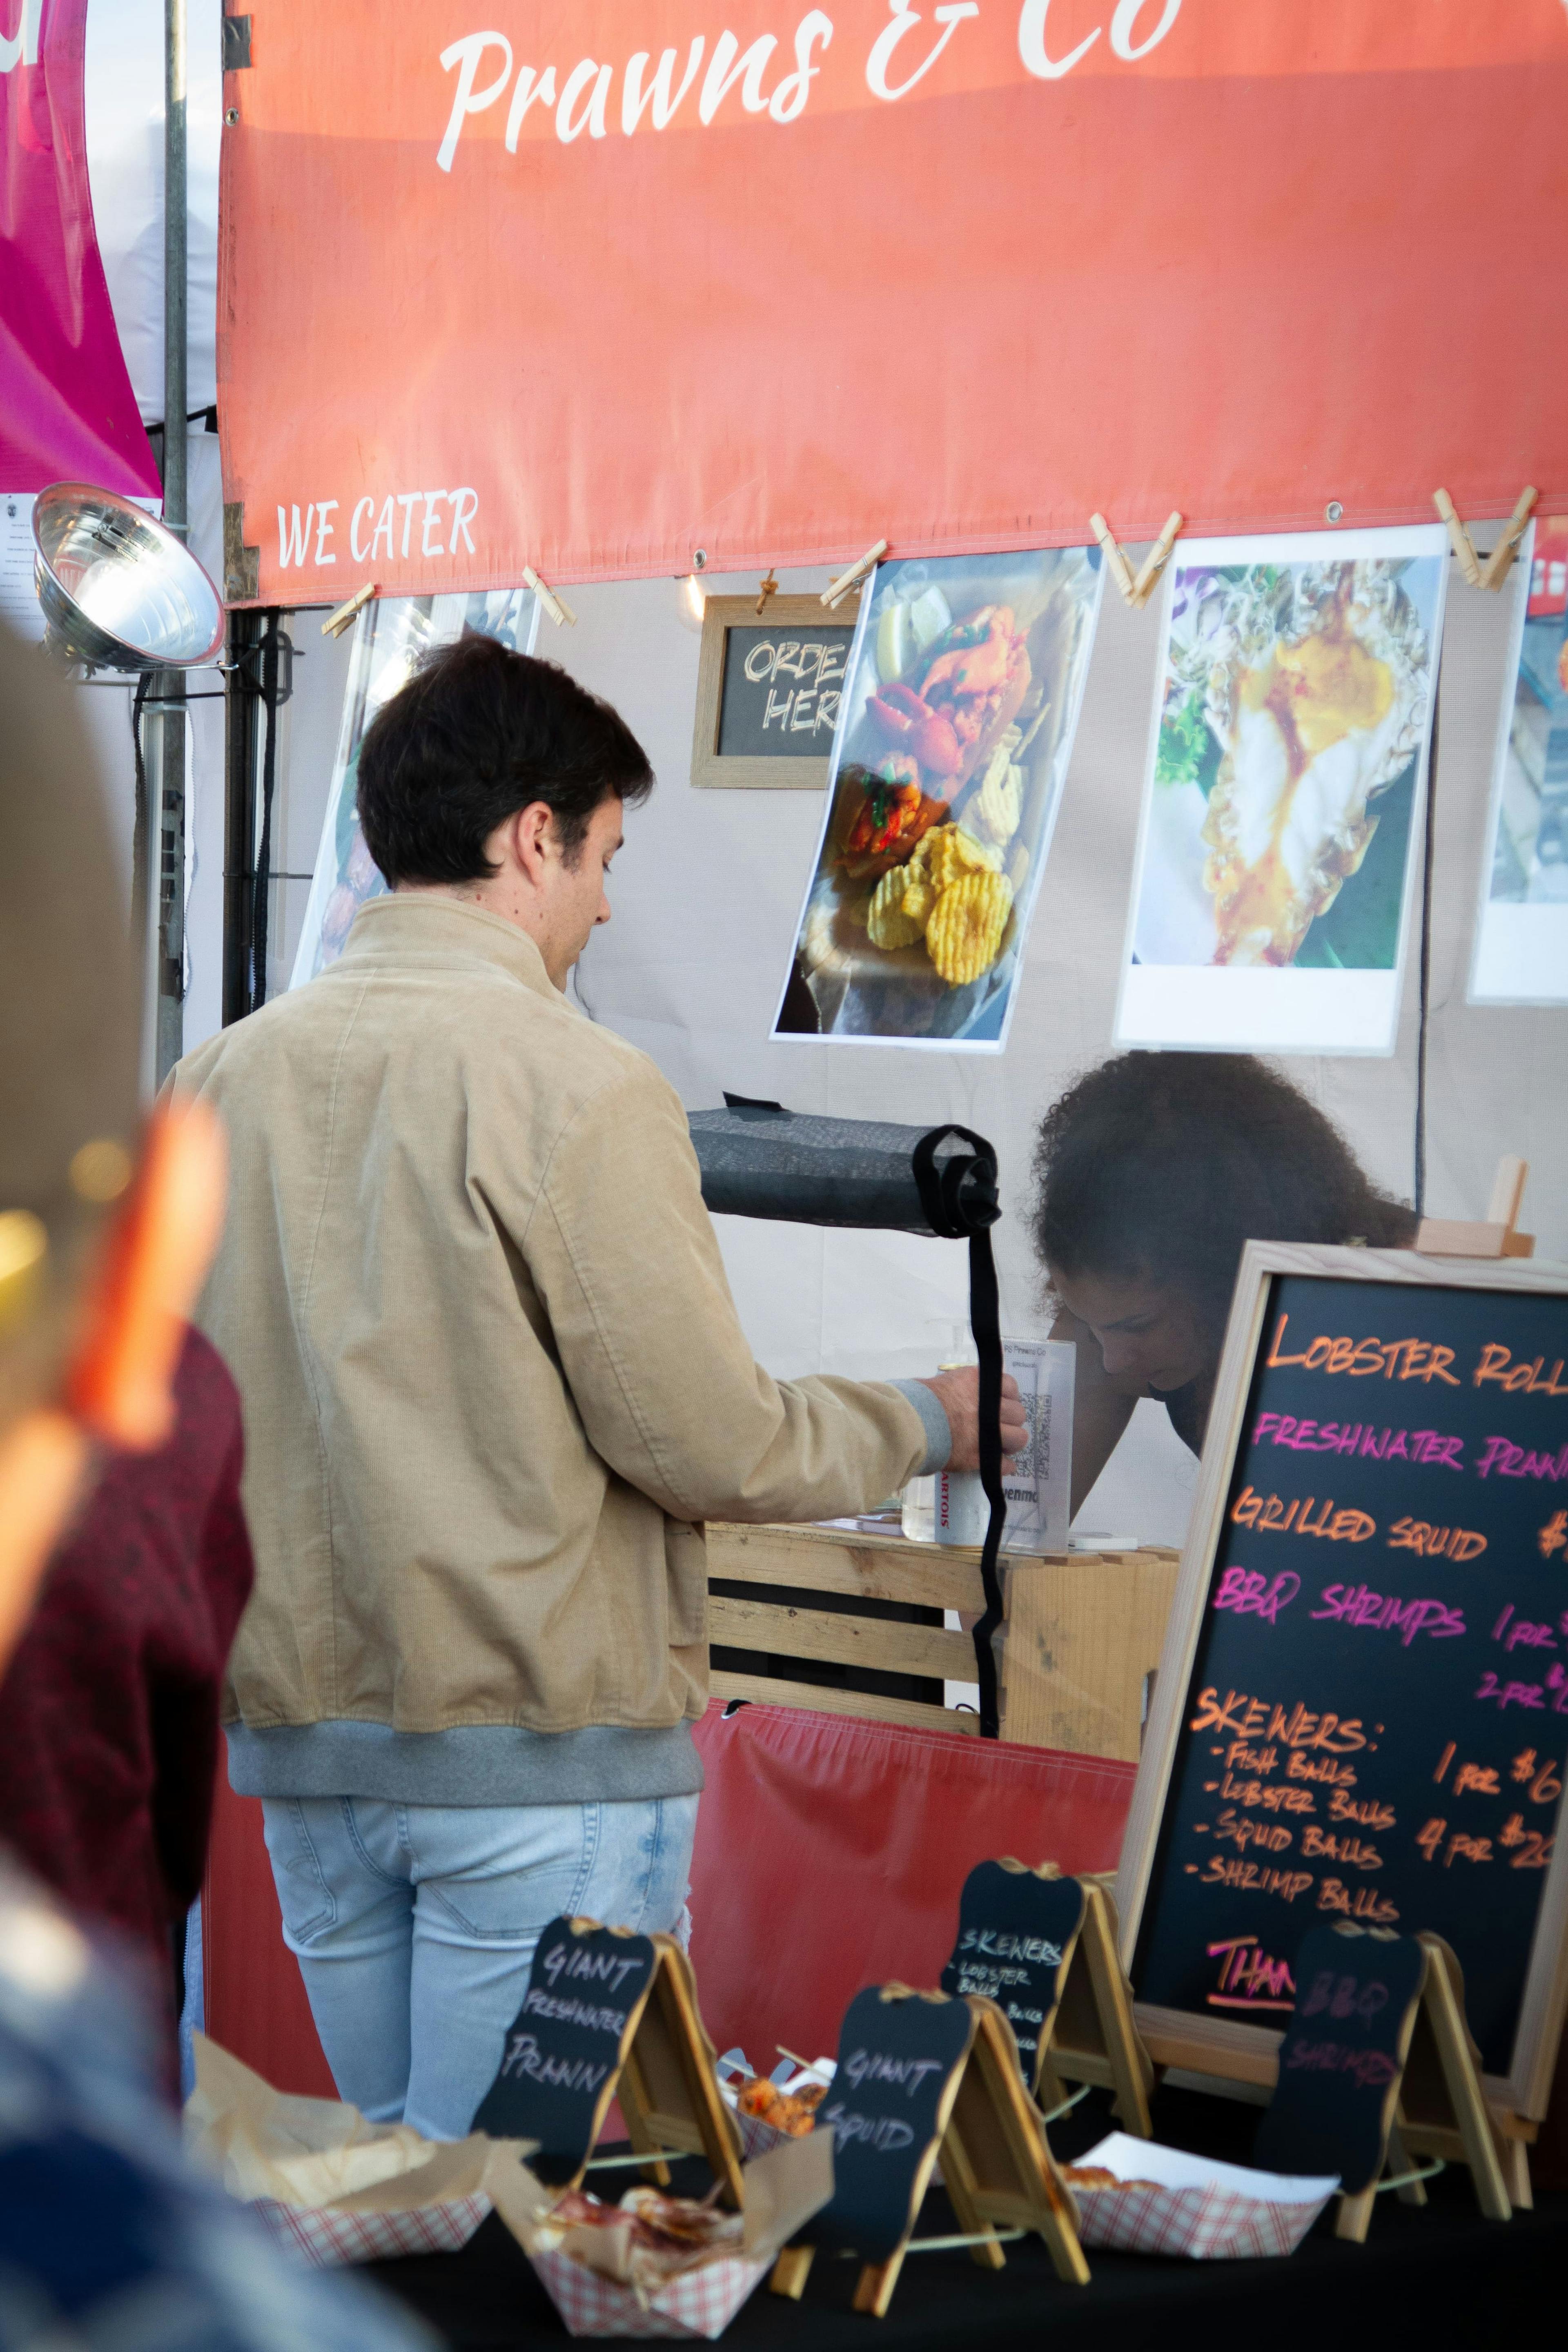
{"type": "Point", "coordinates": [958, 1197]}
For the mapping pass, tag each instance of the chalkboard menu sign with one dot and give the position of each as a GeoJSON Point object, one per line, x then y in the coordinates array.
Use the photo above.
{"type": "Point", "coordinates": [1340, 2059]}
{"type": "Point", "coordinates": [564, 2050]}
{"type": "Point", "coordinates": [898, 2053]}
{"type": "Point", "coordinates": [768, 691]}
{"type": "Point", "coordinates": [1363, 1706]}
{"type": "Point", "coordinates": [1014, 1930]}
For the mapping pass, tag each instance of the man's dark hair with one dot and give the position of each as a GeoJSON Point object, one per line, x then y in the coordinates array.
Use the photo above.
{"type": "Point", "coordinates": [1158, 1167]}
{"type": "Point", "coordinates": [477, 733]}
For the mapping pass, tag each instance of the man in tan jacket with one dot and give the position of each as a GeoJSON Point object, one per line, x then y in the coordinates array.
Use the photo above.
{"type": "Point", "coordinates": [494, 1384]}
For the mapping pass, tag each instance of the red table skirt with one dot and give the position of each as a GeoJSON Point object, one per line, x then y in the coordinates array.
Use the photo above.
{"type": "Point", "coordinates": [830, 1854]}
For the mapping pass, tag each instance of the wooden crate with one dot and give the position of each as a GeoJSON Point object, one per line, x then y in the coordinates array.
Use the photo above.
{"type": "Point", "coordinates": [1080, 1647]}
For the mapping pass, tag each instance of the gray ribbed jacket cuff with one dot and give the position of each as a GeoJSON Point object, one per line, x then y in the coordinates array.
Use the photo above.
{"type": "Point", "coordinates": [939, 1435]}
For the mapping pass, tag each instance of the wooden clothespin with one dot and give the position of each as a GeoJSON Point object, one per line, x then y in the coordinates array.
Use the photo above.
{"type": "Point", "coordinates": [1496, 568]}
{"type": "Point", "coordinates": [837, 590]}
{"type": "Point", "coordinates": [1497, 1236]}
{"type": "Point", "coordinates": [1136, 590]}
{"type": "Point", "coordinates": [770, 587]}
{"type": "Point", "coordinates": [1495, 571]}
{"type": "Point", "coordinates": [1121, 570]}
{"type": "Point", "coordinates": [1459, 538]}
{"type": "Point", "coordinates": [1154, 563]}
{"type": "Point", "coordinates": [336, 623]}
{"type": "Point", "coordinates": [554, 603]}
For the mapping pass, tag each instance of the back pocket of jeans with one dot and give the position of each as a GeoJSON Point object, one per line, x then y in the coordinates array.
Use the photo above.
{"type": "Point", "coordinates": [304, 1898]}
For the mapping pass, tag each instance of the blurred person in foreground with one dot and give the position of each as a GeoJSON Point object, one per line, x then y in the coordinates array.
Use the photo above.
{"type": "Point", "coordinates": [1153, 1172]}
{"type": "Point", "coordinates": [106, 2240]}
{"type": "Point", "coordinates": [109, 1709]}
{"type": "Point", "coordinates": [494, 1382]}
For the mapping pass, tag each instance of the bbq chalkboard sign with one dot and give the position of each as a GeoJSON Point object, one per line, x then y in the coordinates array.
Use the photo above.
{"type": "Point", "coordinates": [1361, 1712]}
{"type": "Point", "coordinates": [1015, 1929]}
{"type": "Point", "coordinates": [565, 2049]}
{"type": "Point", "coordinates": [897, 2055]}
{"type": "Point", "coordinates": [768, 691]}
{"type": "Point", "coordinates": [1341, 2060]}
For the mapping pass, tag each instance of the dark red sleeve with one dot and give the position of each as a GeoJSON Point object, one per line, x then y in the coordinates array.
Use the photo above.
{"type": "Point", "coordinates": [109, 1713]}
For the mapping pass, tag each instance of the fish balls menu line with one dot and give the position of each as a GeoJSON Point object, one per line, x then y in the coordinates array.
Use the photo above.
{"type": "Point", "coordinates": [1376, 1725]}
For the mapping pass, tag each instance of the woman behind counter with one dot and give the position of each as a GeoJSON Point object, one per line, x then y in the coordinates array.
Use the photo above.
{"type": "Point", "coordinates": [1152, 1170]}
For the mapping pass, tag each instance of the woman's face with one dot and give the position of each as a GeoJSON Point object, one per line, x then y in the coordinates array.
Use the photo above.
{"type": "Point", "coordinates": [1147, 1331]}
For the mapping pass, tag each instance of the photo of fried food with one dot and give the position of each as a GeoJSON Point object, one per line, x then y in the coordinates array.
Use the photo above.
{"type": "Point", "coordinates": [954, 699]}
{"type": "Point", "coordinates": [1295, 695]}
{"type": "Point", "coordinates": [887, 923]}
{"type": "Point", "coordinates": [954, 732]}
{"type": "Point", "coordinates": [889, 815]}
{"type": "Point", "coordinates": [963, 936]}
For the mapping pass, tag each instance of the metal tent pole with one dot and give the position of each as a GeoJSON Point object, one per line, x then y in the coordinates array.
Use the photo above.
{"type": "Point", "coordinates": [171, 833]}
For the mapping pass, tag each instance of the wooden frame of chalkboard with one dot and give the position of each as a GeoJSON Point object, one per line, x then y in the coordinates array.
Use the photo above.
{"type": "Point", "coordinates": [803, 642]}
{"type": "Point", "coordinates": [1324, 1480]}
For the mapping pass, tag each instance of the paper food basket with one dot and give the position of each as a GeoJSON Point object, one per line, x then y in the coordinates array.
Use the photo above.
{"type": "Point", "coordinates": [1197, 2208]}
{"type": "Point", "coordinates": [756, 2137]}
{"type": "Point", "coordinates": [783, 2190]}
{"type": "Point", "coordinates": [330, 2187]}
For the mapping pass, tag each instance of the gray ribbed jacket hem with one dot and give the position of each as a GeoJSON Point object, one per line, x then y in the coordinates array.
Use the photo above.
{"type": "Point", "coordinates": [482, 1764]}
{"type": "Point", "coordinates": [939, 1435]}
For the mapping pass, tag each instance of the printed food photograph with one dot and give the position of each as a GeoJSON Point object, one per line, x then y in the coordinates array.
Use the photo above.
{"type": "Point", "coordinates": [391, 636]}
{"type": "Point", "coordinates": [1293, 725]}
{"type": "Point", "coordinates": [954, 738]}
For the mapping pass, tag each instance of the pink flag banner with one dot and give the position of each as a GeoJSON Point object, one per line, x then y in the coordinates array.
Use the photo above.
{"type": "Point", "coordinates": [67, 410]}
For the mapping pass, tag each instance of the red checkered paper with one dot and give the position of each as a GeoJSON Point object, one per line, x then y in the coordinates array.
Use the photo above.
{"type": "Point", "coordinates": [700, 2302]}
{"type": "Point", "coordinates": [325, 2234]}
{"type": "Point", "coordinates": [1192, 2206]}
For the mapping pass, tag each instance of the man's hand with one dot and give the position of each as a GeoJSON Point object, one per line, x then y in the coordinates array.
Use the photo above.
{"type": "Point", "coordinates": [959, 1396]}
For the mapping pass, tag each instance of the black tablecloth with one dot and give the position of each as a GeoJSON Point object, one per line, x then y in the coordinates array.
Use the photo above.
{"type": "Point", "coordinates": [1431, 2277]}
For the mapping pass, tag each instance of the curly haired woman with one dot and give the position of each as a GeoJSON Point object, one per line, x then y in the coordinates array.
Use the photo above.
{"type": "Point", "coordinates": [1153, 1170]}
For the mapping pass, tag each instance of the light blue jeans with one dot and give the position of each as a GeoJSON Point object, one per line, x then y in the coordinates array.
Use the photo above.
{"type": "Point", "coordinates": [415, 1926]}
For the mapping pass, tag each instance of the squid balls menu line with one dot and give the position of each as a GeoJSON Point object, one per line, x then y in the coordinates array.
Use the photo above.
{"type": "Point", "coordinates": [1377, 1724]}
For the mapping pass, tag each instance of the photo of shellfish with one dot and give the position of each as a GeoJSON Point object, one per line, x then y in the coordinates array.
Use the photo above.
{"type": "Point", "coordinates": [954, 732]}
{"type": "Point", "coordinates": [1293, 720]}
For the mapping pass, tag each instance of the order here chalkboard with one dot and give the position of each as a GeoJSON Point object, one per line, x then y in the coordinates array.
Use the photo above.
{"type": "Point", "coordinates": [769, 687]}
{"type": "Point", "coordinates": [781, 691]}
{"type": "Point", "coordinates": [1362, 1711]}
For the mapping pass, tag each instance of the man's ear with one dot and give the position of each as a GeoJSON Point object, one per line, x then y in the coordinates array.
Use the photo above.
{"type": "Point", "coordinates": [534, 839]}
{"type": "Point", "coordinates": [120, 1380]}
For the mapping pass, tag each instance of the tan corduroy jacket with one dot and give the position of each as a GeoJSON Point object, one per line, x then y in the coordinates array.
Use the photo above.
{"type": "Point", "coordinates": [492, 1375]}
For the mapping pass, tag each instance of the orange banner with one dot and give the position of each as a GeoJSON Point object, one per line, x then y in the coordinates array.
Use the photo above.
{"type": "Point", "coordinates": [598, 286]}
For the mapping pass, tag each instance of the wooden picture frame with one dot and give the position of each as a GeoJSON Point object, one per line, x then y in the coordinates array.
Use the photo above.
{"type": "Point", "coordinates": [806, 619]}
{"type": "Point", "coordinates": [1227, 2048]}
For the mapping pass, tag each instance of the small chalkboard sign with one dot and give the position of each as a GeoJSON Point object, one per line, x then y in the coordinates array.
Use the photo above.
{"type": "Point", "coordinates": [898, 2060]}
{"type": "Point", "coordinates": [1362, 1711]}
{"type": "Point", "coordinates": [608, 2011]}
{"type": "Point", "coordinates": [1377, 2042]}
{"type": "Point", "coordinates": [918, 2074]}
{"type": "Point", "coordinates": [768, 691]}
{"type": "Point", "coordinates": [1016, 1932]}
{"type": "Point", "coordinates": [1342, 2056]}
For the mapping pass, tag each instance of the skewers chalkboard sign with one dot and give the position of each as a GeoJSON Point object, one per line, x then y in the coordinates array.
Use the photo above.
{"type": "Point", "coordinates": [1361, 1712]}
{"type": "Point", "coordinates": [608, 2013]}
{"type": "Point", "coordinates": [768, 691]}
{"type": "Point", "coordinates": [1043, 1948]}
